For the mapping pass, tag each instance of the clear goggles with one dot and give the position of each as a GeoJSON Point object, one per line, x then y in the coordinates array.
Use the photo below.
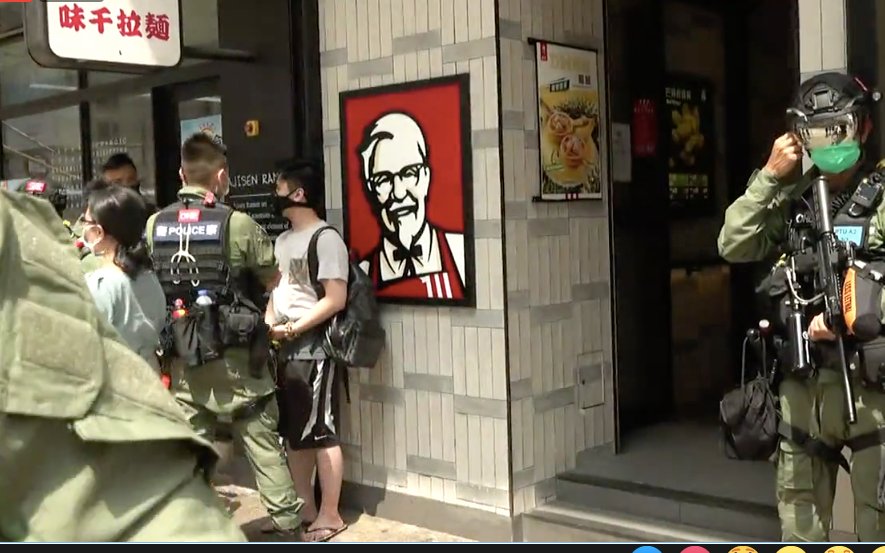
{"type": "Point", "coordinates": [824, 130]}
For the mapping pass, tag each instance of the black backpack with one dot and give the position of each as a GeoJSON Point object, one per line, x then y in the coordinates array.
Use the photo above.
{"type": "Point", "coordinates": [748, 415]}
{"type": "Point", "coordinates": [354, 337]}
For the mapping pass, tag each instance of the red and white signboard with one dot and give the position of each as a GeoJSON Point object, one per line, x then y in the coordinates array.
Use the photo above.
{"type": "Point", "coordinates": [143, 33]}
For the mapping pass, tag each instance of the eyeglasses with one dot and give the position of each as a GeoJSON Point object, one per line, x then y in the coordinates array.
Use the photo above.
{"type": "Point", "coordinates": [409, 174]}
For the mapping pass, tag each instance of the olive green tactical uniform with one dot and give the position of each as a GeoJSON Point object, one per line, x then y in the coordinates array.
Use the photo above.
{"type": "Point", "coordinates": [92, 448]}
{"type": "Point", "coordinates": [224, 391]}
{"type": "Point", "coordinates": [755, 228]}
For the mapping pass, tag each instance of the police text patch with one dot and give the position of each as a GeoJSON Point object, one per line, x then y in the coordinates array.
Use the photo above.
{"type": "Point", "coordinates": [852, 234]}
{"type": "Point", "coordinates": [198, 232]}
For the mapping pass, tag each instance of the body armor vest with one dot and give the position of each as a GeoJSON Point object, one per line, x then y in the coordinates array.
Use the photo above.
{"type": "Point", "coordinates": [852, 220]}
{"type": "Point", "coordinates": [189, 247]}
{"type": "Point", "coordinates": [212, 307]}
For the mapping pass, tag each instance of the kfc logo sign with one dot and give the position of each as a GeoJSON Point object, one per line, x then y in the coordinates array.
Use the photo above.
{"type": "Point", "coordinates": [408, 171]}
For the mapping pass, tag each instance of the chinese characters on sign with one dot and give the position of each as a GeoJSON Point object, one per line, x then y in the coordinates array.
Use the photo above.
{"type": "Point", "coordinates": [572, 162]}
{"type": "Point", "coordinates": [131, 32]}
{"type": "Point", "coordinates": [128, 24]}
{"type": "Point", "coordinates": [690, 107]}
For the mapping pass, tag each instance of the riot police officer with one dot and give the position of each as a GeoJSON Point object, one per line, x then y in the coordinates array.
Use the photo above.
{"type": "Point", "coordinates": [215, 265]}
{"type": "Point", "coordinates": [831, 123]}
{"type": "Point", "coordinates": [92, 448]}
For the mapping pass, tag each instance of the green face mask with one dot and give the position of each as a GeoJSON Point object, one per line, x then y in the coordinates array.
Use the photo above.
{"type": "Point", "coordinates": [838, 158]}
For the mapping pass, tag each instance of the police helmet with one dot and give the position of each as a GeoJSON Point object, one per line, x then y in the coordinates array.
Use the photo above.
{"type": "Point", "coordinates": [831, 108]}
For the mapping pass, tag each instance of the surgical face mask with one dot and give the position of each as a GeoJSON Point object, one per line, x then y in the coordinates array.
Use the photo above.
{"type": "Point", "coordinates": [91, 245]}
{"type": "Point", "coordinates": [838, 158]}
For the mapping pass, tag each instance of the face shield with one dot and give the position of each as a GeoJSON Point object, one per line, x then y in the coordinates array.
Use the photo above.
{"type": "Point", "coordinates": [831, 138]}
{"type": "Point", "coordinates": [827, 131]}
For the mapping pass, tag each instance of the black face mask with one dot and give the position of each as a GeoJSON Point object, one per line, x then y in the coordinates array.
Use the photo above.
{"type": "Point", "coordinates": [282, 203]}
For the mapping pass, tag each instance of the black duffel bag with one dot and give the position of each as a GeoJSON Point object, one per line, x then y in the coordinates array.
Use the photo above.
{"type": "Point", "coordinates": [748, 415]}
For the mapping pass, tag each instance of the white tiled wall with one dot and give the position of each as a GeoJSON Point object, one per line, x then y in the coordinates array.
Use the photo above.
{"type": "Point", "coordinates": [432, 419]}
{"type": "Point", "coordinates": [823, 47]}
{"type": "Point", "coordinates": [558, 283]}
{"type": "Point", "coordinates": [822, 40]}
{"type": "Point", "coordinates": [822, 44]}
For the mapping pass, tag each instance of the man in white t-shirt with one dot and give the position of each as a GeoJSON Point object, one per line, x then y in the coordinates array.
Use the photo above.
{"type": "Point", "coordinates": [299, 308]}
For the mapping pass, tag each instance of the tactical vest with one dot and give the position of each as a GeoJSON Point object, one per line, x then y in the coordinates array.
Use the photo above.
{"type": "Point", "coordinates": [849, 222]}
{"type": "Point", "coordinates": [189, 246]}
{"type": "Point", "coordinates": [190, 257]}
{"type": "Point", "coordinates": [852, 220]}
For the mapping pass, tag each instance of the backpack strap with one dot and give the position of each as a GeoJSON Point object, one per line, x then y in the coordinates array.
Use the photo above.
{"type": "Point", "coordinates": [313, 262]}
{"type": "Point", "coordinates": [313, 266]}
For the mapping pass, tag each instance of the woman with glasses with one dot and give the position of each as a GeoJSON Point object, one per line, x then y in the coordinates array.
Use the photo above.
{"type": "Point", "coordinates": [124, 286]}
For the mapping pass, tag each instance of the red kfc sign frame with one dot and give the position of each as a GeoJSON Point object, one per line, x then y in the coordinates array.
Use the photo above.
{"type": "Point", "coordinates": [407, 178]}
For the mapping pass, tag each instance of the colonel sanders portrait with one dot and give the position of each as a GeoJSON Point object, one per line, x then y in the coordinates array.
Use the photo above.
{"type": "Point", "coordinates": [414, 257]}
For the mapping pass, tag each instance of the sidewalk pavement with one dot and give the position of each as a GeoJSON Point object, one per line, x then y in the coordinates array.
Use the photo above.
{"type": "Point", "coordinates": [362, 528]}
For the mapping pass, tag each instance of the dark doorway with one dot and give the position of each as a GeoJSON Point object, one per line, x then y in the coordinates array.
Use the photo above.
{"type": "Point", "coordinates": [680, 309]}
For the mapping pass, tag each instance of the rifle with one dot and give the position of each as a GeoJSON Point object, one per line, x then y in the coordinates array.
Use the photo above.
{"type": "Point", "coordinates": [834, 257]}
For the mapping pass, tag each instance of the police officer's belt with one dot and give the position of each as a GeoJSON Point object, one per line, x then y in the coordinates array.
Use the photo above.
{"type": "Point", "coordinates": [813, 446]}
{"type": "Point", "coordinates": [868, 440]}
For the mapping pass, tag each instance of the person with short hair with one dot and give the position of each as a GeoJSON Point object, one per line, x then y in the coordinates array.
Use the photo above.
{"type": "Point", "coordinates": [121, 170]}
{"type": "Point", "coordinates": [299, 309]}
{"type": "Point", "coordinates": [215, 265]}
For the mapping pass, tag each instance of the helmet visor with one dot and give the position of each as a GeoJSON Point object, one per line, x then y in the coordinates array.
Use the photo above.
{"type": "Point", "coordinates": [828, 130]}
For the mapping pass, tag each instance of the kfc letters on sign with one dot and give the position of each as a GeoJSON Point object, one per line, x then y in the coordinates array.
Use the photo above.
{"type": "Point", "coordinates": [131, 32]}
{"type": "Point", "coordinates": [407, 169]}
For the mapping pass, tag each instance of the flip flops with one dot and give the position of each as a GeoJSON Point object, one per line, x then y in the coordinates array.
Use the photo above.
{"type": "Point", "coordinates": [322, 534]}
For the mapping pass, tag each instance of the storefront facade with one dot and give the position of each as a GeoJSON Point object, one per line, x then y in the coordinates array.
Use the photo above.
{"type": "Point", "coordinates": [480, 407]}
{"type": "Point", "coordinates": [459, 414]}
{"type": "Point", "coordinates": [503, 372]}
{"type": "Point", "coordinates": [66, 122]}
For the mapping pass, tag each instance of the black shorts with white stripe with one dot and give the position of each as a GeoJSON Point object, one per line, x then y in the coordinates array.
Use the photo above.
{"type": "Point", "coordinates": [309, 408]}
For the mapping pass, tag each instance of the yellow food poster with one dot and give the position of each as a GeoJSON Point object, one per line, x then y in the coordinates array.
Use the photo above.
{"type": "Point", "coordinates": [569, 122]}
{"type": "Point", "coordinates": [689, 105]}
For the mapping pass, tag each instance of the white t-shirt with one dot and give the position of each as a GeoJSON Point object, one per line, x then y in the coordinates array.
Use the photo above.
{"type": "Point", "coordinates": [295, 295]}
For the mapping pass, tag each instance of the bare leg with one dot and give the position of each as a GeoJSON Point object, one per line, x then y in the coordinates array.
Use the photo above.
{"type": "Point", "coordinates": [301, 465]}
{"type": "Point", "coordinates": [330, 467]}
